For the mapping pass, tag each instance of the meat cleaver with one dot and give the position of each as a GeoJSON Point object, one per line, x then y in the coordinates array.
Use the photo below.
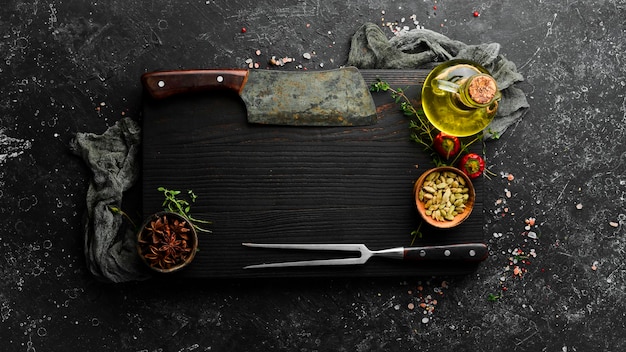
{"type": "Point", "coordinates": [337, 97]}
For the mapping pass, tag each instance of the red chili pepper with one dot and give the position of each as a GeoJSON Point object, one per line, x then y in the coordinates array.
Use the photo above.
{"type": "Point", "coordinates": [446, 145]}
{"type": "Point", "coordinates": [472, 164]}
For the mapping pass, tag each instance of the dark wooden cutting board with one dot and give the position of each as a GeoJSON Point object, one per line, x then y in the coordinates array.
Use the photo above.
{"type": "Point", "coordinates": [285, 184]}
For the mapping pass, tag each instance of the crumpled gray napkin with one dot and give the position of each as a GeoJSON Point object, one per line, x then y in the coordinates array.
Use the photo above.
{"type": "Point", "coordinates": [110, 249]}
{"type": "Point", "coordinates": [371, 49]}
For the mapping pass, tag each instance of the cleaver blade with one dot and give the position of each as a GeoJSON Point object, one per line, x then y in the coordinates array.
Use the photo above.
{"type": "Point", "coordinates": [338, 97]}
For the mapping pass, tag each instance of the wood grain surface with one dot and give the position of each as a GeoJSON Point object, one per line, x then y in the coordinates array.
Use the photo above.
{"type": "Point", "coordinates": [285, 184]}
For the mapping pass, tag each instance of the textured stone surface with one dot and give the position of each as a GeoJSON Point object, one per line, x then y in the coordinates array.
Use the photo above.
{"type": "Point", "coordinates": [556, 285]}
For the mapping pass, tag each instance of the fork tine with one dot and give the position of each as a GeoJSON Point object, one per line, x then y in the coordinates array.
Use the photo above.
{"type": "Point", "coordinates": [361, 248]}
{"type": "Point", "coordinates": [312, 246]}
{"type": "Point", "coordinates": [321, 262]}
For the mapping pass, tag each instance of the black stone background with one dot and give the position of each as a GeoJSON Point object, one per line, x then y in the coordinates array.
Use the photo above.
{"type": "Point", "coordinates": [70, 66]}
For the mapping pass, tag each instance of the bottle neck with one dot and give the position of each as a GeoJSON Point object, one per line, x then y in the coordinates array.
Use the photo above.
{"type": "Point", "coordinates": [478, 91]}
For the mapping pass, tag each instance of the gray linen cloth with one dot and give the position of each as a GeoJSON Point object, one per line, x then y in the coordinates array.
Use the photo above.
{"type": "Point", "coordinates": [110, 248]}
{"type": "Point", "coordinates": [371, 49]}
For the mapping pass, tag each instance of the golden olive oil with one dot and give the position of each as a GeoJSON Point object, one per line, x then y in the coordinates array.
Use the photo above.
{"type": "Point", "coordinates": [450, 112]}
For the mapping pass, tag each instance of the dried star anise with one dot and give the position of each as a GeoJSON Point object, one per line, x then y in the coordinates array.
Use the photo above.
{"type": "Point", "coordinates": [165, 242]}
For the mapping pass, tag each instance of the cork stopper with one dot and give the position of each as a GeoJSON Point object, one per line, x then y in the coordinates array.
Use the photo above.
{"type": "Point", "coordinates": [482, 89]}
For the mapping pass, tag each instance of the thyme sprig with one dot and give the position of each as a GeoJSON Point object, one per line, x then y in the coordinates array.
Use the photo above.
{"type": "Point", "coordinates": [175, 204]}
{"type": "Point", "coordinates": [422, 131]}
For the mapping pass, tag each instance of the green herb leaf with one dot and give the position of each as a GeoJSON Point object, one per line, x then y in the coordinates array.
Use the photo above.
{"type": "Point", "coordinates": [494, 297]}
{"type": "Point", "coordinates": [181, 206]}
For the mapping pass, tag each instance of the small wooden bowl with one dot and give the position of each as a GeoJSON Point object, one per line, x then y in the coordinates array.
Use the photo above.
{"type": "Point", "coordinates": [459, 218]}
{"type": "Point", "coordinates": [144, 239]}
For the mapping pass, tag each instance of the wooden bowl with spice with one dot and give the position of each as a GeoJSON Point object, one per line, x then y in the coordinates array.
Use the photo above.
{"type": "Point", "coordinates": [444, 196]}
{"type": "Point", "coordinates": [167, 242]}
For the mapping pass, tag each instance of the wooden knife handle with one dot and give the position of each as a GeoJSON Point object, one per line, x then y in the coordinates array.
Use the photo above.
{"type": "Point", "coordinates": [471, 252]}
{"type": "Point", "coordinates": [163, 84]}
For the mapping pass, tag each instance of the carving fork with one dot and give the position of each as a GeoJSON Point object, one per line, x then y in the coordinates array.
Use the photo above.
{"type": "Point", "coordinates": [468, 252]}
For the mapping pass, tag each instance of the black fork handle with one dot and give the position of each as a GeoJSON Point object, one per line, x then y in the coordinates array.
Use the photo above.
{"type": "Point", "coordinates": [470, 252]}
